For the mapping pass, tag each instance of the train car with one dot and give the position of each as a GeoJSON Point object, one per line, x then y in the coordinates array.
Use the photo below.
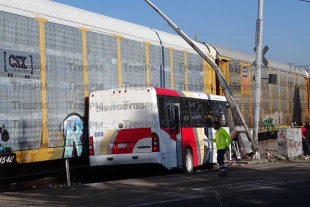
{"type": "Point", "coordinates": [54, 56]}
{"type": "Point", "coordinates": [284, 89]}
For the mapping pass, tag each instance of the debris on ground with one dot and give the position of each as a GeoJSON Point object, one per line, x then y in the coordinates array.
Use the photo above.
{"type": "Point", "coordinates": [281, 157]}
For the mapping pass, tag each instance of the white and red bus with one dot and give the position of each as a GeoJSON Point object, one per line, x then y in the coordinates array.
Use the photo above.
{"type": "Point", "coordinates": [154, 125]}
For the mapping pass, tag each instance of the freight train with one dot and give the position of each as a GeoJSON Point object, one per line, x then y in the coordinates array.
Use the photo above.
{"type": "Point", "coordinates": [54, 56]}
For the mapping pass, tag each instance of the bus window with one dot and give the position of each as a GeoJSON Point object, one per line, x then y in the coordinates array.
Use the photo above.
{"type": "Point", "coordinates": [177, 119]}
{"type": "Point", "coordinates": [221, 113]}
{"type": "Point", "coordinates": [162, 112]}
{"type": "Point", "coordinates": [171, 117]}
{"type": "Point", "coordinates": [207, 113]}
{"type": "Point", "coordinates": [185, 113]}
{"type": "Point", "coordinates": [196, 113]}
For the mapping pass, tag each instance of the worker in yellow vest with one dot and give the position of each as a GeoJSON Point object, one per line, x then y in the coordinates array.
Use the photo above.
{"type": "Point", "coordinates": [222, 140]}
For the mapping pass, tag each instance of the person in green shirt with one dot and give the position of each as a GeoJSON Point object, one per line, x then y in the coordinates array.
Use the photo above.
{"type": "Point", "coordinates": [222, 140]}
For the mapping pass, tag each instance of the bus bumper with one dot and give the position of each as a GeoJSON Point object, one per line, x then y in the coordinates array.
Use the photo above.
{"type": "Point", "coordinates": [124, 159]}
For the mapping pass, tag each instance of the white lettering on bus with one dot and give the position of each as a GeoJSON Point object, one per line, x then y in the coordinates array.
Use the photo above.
{"type": "Point", "coordinates": [126, 106]}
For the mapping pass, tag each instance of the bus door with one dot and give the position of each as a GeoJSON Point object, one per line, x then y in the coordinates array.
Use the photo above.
{"type": "Point", "coordinates": [175, 130]}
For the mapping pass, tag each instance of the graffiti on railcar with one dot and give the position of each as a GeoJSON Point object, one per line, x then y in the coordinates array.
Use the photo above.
{"type": "Point", "coordinates": [5, 136]}
{"type": "Point", "coordinates": [6, 156]}
{"type": "Point", "coordinates": [73, 135]}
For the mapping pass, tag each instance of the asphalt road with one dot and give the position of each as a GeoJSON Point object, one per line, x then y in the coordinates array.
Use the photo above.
{"type": "Point", "coordinates": [252, 185]}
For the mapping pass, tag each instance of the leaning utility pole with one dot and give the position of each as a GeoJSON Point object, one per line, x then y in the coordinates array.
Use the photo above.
{"type": "Point", "coordinates": [239, 122]}
{"type": "Point", "coordinates": [258, 65]}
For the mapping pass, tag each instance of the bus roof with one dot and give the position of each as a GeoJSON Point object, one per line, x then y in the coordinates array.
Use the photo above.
{"type": "Point", "coordinates": [165, 91]}
{"type": "Point", "coordinates": [176, 93]}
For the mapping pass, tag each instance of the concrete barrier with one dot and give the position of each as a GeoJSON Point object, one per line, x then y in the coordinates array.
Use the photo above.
{"type": "Point", "coordinates": [289, 142]}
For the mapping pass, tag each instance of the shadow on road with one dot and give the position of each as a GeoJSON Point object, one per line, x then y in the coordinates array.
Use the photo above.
{"type": "Point", "coordinates": [284, 185]}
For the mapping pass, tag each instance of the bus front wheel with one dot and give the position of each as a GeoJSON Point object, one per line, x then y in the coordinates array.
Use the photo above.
{"type": "Point", "coordinates": [189, 162]}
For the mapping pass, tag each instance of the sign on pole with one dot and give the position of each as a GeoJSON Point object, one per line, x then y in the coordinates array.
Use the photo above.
{"type": "Point", "coordinates": [264, 60]}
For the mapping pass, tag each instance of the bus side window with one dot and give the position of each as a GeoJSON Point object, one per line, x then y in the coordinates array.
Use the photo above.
{"type": "Point", "coordinates": [177, 119]}
{"type": "Point", "coordinates": [208, 113]}
{"type": "Point", "coordinates": [162, 112]}
{"type": "Point", "coordinates": [185, 113]}
{"type": "Point", "coordinates": [171, 118]}
{"type": "Point", "coordinates": [196, 113]}
{"type": "Point", "coordinates": [220, 112]}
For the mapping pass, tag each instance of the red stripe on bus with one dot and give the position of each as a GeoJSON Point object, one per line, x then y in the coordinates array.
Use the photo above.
{"type": "Point", "coordinates": [188, 139]}
{"type": "Point", "coordinates": [130, 137]}
{"type": "Point", "coordinates": [168, 92]}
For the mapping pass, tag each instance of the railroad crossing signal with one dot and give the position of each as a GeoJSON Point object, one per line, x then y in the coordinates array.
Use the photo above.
{"type": "Point", "coordinates": [265, 62]}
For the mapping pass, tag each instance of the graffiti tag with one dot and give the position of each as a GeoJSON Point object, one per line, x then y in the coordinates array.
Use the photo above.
{"type": "Point", "coordinates": [282, 143]}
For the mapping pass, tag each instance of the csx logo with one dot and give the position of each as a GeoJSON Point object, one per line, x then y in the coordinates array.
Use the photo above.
{"type": "Point", "coordinates": [20, 61]}
{"type": "Point", "coordinates": [17, 61]}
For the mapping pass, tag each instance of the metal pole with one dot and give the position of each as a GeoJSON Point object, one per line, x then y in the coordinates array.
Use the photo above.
{"type": "Point", "coordinates": [240, 124]}
{"type": "Point", "coordinates": [68, 172]}
{"type": "Point", "coordinates": [258, 64]}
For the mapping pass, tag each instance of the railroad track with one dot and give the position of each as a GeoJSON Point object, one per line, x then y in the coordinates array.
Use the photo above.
{"type": "Point", "coordinates": [16, 175]}
{"type": "Point", "coordinates": [79, 174]}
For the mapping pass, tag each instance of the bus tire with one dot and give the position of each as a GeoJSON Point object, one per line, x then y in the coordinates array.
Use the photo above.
{"type": "Point", "coordinates": [188, 161]}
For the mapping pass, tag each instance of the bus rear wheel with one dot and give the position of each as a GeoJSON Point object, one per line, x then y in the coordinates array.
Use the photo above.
{"type": "Point", "coordinates": [189, 162]}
